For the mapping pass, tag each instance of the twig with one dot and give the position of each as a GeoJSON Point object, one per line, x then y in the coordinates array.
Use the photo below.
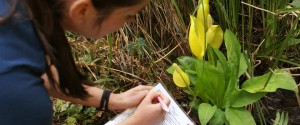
{"type": "Point", "coordinates": [90, 70]}
{"type": "Point", "coordinates": [292, 68]}
{"type": "Point", "coordinates": [268, 11]}
{"type": "Point", "coordinates": [126, 73]}
{"type": "Point", "coordinates": [298, 98]}
{"type": "Point", "coordinates": [167, 53]}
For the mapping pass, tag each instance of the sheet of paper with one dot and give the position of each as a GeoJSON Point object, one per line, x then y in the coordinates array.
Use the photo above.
{"type": "Point", "coordinates": [176, 116]}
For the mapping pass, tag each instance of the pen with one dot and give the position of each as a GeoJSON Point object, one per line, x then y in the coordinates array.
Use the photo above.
{"type": "Point", "coordinates": [163, 104]}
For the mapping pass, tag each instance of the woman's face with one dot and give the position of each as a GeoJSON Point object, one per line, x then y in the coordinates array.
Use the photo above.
{"type": "Point", "coordinates": [82, 18]}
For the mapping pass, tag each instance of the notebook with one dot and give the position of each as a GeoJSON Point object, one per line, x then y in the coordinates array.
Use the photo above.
{"type": "Point", "coordinates": [176, 116]}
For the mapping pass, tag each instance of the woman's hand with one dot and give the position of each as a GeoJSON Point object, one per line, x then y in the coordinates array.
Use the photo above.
{"type": "Point", "coordinates": [149, 112]}
{"type": "Point", "coordinates": [128, 99]}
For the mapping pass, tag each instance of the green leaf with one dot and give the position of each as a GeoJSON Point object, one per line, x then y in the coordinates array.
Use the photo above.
{"type": "Point", "coordinates": [296, 3]}
{"type": "Point", "coordinates": [211, 82]}
{"type": "Point", "coordinates": [194, 104]}
{"type": "Point", "coordinates": [193, 76]}
{"type": "Point", "coordinates": [187, 62]}
{"type": "Point", "coordinates": [239, 116]}
{"type": "Point", "coordinates": [243, 65]}
{"type": "Point", "coordinates": [294, 41]}
{"type": "Point", "coordinates": [212, 57]}
{"type": "Point", "coordinates": [200, 84]}
{"type": "Point", "coordinates": [221, 57]}
{"type": "Point", "coordinates": [280, 79]}
{"type": "Point", "coordinates": [218, 118]}
{"type": "Point", "coordinates": [170, 70]}
{"type": "Point", "coordinates": [281, 118]}
{"type": "Point", "coordinates": [245, 98]}
{"type": "Point", "coordinates": [233, 47]}
{"type": "Point", "coordinates": [206, 112]}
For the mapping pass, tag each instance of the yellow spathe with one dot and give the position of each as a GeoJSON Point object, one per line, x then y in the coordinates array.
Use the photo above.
{"type": "Point", "coordinates": [214, 36]}
{"type": "Point", "coordinates": [180, 78]}
{"type": "Point", "coordinates": [196, 38]}
{"type": "Point", "coordinates": [202, 32]}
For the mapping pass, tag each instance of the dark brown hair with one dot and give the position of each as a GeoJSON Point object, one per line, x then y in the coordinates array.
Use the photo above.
{"type": "Point", "coordinates": [46, 16]}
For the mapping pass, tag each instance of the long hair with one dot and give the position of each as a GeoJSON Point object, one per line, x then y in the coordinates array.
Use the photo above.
{"type": "Point", "coordinates": [46, 16]}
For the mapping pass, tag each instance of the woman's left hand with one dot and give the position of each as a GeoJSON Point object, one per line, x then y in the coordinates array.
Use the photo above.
{"type": "Point", "coordinates": [128, 99]}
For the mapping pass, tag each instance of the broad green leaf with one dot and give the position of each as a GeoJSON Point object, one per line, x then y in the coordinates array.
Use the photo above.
{"type": "Point", "coordinates": [280, 79]}
{"type": "Point", "coordinates": [193, 76]}
{"type": "Point", "coordinates": [218, 118]}
{"type": "Point", "coordinates": [296, 3]}
{"type": "Point", "coordinates": [211, 82]}
{"type": "Point", "coordinates": [239, 116]}
{"type": "Point", "coordinates": [245, 98]}
{"type": "Point", "coordinates": [233, 47]}
{"type": "Point", "coordinates": [206, 112]}
{"type": "Point", "coordinates": [243, 65]}
{"type": "Point", "coordinates": [200, 90]}
{"type": "Point", "coordinates": [187, 62]}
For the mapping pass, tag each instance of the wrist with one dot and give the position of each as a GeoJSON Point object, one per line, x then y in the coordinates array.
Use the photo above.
{"type": "Point", "coordinates": [115, 102]}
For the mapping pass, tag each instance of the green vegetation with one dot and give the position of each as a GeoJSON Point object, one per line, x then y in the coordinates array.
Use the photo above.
{"type": "Point", "coordinates": [265, 56]}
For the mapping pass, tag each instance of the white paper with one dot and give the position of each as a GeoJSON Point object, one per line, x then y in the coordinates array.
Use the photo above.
{"type": "Point", "coordinates": [176, 116]}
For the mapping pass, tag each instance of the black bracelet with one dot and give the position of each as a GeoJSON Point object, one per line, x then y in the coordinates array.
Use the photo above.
{"type": "Point", "coordinates": [104, 100]}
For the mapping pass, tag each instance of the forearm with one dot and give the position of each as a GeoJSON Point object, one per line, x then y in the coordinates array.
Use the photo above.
{"type": "Point", "coordinates": [93, 100]}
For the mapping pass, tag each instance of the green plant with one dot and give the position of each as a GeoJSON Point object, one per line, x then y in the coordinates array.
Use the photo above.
{"type": "Point", "coordinates": [139, 46]}
{"type": "Point", "coordinates": [72, 113]}
{"type": "Point", "coordinates": [215, 82]}
{"type": "Point", "coordinates": [282, 118]}
{"type": "Point", "coordinates": [215, 89]}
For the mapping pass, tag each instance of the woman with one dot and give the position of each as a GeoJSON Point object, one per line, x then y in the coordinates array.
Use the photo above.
{"type": "Point", "coordinates": [32, 29]}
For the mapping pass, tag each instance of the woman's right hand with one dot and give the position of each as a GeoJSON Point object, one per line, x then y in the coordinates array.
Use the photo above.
{"type": "Point", "coordinates": [149, 111]}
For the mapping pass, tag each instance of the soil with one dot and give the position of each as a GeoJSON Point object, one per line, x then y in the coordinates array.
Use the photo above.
{"type": "Point", "coordinates": [282, 100]}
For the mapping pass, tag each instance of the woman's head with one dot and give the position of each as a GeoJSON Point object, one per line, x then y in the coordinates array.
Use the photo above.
{"type": "Point", "coordinates": [95, 18]}
{"type": "Point", "coordinates": [90, 18]}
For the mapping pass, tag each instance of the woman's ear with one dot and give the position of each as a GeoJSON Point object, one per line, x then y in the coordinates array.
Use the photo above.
{"type": "Point", "coordinates": [80, 10]}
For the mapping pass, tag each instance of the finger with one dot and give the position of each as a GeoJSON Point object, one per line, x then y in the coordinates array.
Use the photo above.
{"type": "Point", "coordinates": [142, 87]}
{"type": "Point", "coordinates": [165, 99]}
{"type": "Point", "coordinates": [142, 94]}
{"type": "Point", "coordinates": [151, 96]}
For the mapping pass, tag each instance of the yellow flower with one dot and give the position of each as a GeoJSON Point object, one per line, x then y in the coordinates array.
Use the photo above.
{"type": "Point", "coordinates": [197, 33]}
{"type": "Point", "coordinates": [196, 38]}
{"type": "Point", "coordinates": [205, 11]}
{"type": "Point", "coordinates": [214, 36]}
{"type": "Point", "coordinates": [180, 78]}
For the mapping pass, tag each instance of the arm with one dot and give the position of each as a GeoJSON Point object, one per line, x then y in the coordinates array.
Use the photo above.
{"type": "Point", "coordinates": [128, 99]}
{"type": "Point", "coordinates": [147, 106]}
